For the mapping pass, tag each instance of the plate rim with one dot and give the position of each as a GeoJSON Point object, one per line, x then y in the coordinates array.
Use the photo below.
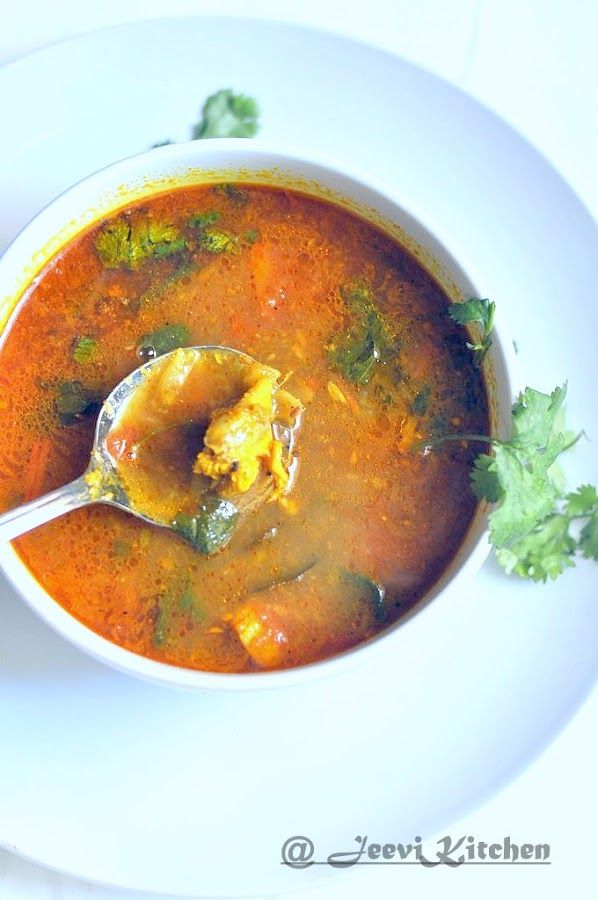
{"type": "Point", "coordinates": [308, 29]}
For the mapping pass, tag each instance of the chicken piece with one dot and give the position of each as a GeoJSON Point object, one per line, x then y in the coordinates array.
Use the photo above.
{"type": "Point", "coordinates": [239, 441]}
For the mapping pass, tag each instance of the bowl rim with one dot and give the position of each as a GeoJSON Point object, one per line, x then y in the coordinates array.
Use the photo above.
{"type": "Point", "coordinates": [129, 662]}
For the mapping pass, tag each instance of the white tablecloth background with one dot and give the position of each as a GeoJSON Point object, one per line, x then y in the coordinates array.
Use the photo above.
{"type": "Point", "coordinates": [535, 62]}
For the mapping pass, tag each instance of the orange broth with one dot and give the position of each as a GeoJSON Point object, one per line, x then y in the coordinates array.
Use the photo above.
{"type": "Point", "coordinates": [371, 520]}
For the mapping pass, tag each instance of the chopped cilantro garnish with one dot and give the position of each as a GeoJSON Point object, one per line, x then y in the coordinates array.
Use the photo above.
{"type": "Point", "coordinates": [84, 349]}
{"type": "Point", "coordinates": [214, 241]}
{"type": "Point", "coordinates": [480, 312]}
{"type": "Point", "coordinates": [163, 340]}
{"type": "Point", "coordinates": [203, 219]}
{"type": "Point", "coordinates": [356, 352]}
{"type": "Point", "coordinates": [232, 193]}
{"type": "Point", "coordinates": [121, 243]}
{"type": "Point", "coordinates": [74, 401]}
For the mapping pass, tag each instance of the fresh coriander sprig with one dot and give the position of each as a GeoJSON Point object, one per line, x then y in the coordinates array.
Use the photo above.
{"type": "Point", "coordinates": [225, 115]}
{"type": "Point", "coordinates": [481, 312]}
{"type": "Point", "coordinates": [550, 546]}
{"type": "Point", "coordinates": [536, 529]}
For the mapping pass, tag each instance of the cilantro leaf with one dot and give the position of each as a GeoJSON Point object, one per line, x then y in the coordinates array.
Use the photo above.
{"type": "Point", "coordinates": [583, 501]}
{"type": "Point", "coordinates": [123, 244]}
{"type": "Point", "coordinates": [528, 495]}
{"type": "Point", "coordinates": [226, 114]}
{"type": "Point", "coordinates": [75, 401]}
{"type": "Point", "coordinates": [214, 241]}
{"type": "Point", "coordinates": [84, 349]}
{"type": "Point", "coordinates": [531, 524]}
{"type": "Point", "coordinates": [535, 417]}
{"type": "Point", "coordinates": [163, 340]}
{"type": "Point", "coordinates": [544, 552]}
{"type": "Point", "coordinates": [473, 310]}
{"type": "Point", "coordinates": [232, 193]}
{"type": "Point", "coordinates": [484, 479]}
{"type": "Point", "coordinates": [368, 341]}
{"type": "Point", "coordinates": [480, 311]}
{"type": "Point", "coordinates": [518, 474]}
{"type": "Point", "coordinates": [203, 219]}
{"type": "Point", "coordinates": [588, 539]}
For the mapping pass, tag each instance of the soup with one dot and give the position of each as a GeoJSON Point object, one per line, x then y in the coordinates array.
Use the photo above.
{"type": "Point", "coordinates": [362, 521]}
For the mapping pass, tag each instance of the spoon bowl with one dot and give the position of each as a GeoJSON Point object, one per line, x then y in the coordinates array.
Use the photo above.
{"type": "Point", "coordinates": [101, 481]}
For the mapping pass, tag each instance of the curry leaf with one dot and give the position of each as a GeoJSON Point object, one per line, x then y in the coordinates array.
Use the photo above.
{"type": "Point", "coordinates": [74, 401]}
{"type": "Point", "coordinates": [211, 527]}
{"type": "Point", "coordinates": [165, 339]}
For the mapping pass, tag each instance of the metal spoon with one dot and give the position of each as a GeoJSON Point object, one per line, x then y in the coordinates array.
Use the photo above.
{"type": "Point", "coordinates": [111, 491]}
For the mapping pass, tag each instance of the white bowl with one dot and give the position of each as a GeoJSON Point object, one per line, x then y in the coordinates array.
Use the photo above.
{"type": "Point", "coordinates": [251, 161]}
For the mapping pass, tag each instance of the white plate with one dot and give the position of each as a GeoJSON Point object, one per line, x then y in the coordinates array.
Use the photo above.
{"type": "Point", "coordinates": [149, 788]}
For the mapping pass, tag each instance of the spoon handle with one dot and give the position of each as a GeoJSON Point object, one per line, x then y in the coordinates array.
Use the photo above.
{"type": "Point", "coordinates": [43, 509]}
